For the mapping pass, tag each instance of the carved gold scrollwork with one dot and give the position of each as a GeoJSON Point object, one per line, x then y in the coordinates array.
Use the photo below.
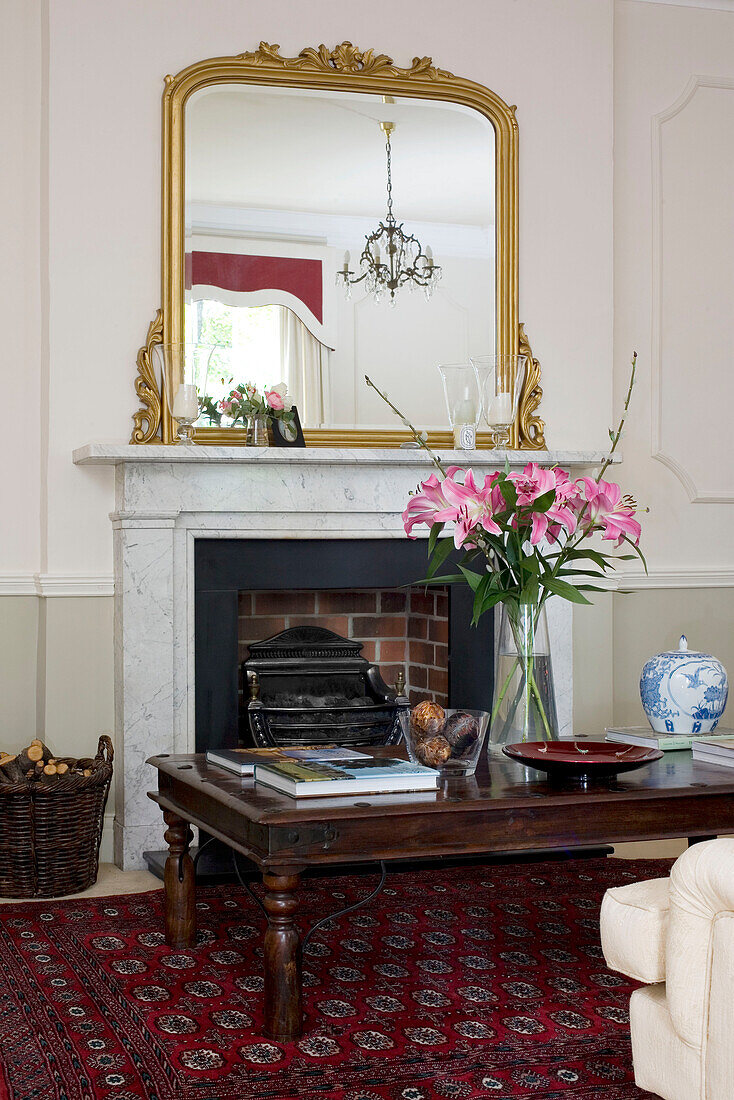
{"type": "Point", "coordinates": [531, 429]}
{"type": "Point", "coordinates": [344, 58]}
{"type": "Point", "coordinates": [146, 385]}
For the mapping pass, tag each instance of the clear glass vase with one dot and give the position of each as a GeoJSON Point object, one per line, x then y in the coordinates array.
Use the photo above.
{"type": "Point", "coordinates": [257, 431]}
{"type": "Point", "coordinates": [524, 707]}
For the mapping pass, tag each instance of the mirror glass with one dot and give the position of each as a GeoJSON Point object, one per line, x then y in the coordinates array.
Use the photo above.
{"type": "Point", "coordinates": [282, 188]}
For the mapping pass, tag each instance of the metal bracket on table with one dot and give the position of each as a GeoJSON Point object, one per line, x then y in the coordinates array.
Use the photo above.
{"type": "Point", "coordinates": [321, 835]}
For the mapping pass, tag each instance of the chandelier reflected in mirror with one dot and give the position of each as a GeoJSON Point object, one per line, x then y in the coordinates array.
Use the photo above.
{"type": "Point", "coordinates": [391, 258]}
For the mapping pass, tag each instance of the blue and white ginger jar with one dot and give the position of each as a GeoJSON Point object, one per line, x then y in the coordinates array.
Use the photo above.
{"type": "Point", "coordinates": [684, 691]}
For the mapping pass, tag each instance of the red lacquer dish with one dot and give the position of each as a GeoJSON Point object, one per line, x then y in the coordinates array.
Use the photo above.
{"type": "Point", "coordinates": [581, 758]}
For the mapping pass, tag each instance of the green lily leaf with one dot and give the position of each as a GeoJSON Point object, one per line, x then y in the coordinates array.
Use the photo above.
{"type": "Point", "coordinates": [637, 551]}
{"type": "Point", "coordinates": [435, 531]}
{"type": "Point", "coordinates": [489, 601]}
{"type": "Point", "coordinates": [564, 589]}
{"type": "Point", "coordinates": [509, 493]}
{"type": "Point", "coordinates": [446, 578]}
{"type": "Point", "coordinates": [543, 503]}
{"type": "Point", "coordinates": [581, 573]}
{"type": "Point", "coordinates": [442, 550]}
{"type": "Point", "coordinates": [602, 560]}
{"type": "Point", "coordinates": [472, 579]}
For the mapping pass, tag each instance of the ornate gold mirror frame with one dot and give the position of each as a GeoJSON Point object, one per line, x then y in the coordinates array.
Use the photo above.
{"type": "Point", "coordinates": [349, 69]}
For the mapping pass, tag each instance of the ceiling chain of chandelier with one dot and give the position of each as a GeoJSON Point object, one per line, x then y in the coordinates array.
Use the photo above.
{"type": "Point", "coordinates": [405, 262]}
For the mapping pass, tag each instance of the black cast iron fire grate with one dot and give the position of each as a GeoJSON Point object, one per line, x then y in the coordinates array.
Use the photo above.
{"type": "Point", "coordinates": [308, 685]}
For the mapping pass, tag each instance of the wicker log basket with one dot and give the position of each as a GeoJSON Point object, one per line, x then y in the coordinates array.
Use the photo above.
{"type": "Point", "coordinates": [51, 824]}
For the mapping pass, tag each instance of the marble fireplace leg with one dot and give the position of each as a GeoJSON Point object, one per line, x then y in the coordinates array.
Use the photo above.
{"type": "Point", "coordinates": [144, 675]}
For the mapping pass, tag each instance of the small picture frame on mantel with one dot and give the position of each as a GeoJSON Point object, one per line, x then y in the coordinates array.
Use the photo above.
{"type": "Point", "coordinates": [287, 433]}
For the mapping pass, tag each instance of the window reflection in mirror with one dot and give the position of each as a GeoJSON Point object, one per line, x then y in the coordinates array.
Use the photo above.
{"type": "Point", "coordinates": [282, 184]}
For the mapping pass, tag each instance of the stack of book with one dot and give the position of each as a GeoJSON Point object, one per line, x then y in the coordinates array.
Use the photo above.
{"type": "Point", "coordinates": [713, 751]}
{"type": "Point", "coordinates": [668, 742]}
{"type": "Point", "coordinates": [243, 761]}
{"type": "Point", "coordinates": [320, 771]}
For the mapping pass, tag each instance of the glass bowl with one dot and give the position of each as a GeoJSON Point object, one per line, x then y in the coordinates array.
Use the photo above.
{"type": "Point", "coordinates": [452, 745]}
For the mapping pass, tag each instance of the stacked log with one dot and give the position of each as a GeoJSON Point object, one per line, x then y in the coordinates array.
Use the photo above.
{"type": "Point", "coordinates": [36, 763]}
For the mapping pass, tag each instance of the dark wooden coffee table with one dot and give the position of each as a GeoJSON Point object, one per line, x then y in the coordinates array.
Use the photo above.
{"type": "Point", "coordinates": [504, 808]}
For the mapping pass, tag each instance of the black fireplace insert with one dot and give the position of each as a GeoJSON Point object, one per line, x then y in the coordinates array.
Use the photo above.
{"type": "Point", "coordinates": [225, 567]}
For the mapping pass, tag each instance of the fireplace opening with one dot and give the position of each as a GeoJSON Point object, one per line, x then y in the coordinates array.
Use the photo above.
{"type": "Point", "coordinates": [401, 630]}
{"type": "Point", "coordinates": [248, 590]}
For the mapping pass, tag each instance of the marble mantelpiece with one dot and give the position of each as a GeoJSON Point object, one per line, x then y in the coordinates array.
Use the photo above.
{"type": "Point", "coordinates": [166, 498]}
{"type": "Point", "coordinates": [114, 454]}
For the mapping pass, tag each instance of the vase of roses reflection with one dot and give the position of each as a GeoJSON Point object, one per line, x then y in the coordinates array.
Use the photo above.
{"type": "Point", "coordinates": [245, 404]}
{"type": "Point", "coordinates": [524, 536]}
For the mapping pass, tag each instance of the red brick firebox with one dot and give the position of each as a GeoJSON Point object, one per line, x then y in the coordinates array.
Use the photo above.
{"type": "Point", "coordinates": [399, 628]}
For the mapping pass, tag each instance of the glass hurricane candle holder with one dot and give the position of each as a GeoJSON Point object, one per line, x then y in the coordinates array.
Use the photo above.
{"type": "Point", "coordinates": [501, 378]}
{"type": "Point", "coordinates": [183, 369]}
{"type": "Point", "coordinates": [463, 402]}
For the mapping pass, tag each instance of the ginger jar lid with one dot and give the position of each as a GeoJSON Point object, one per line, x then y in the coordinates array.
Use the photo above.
{"type": "Point", "coordinates": [683, 652]}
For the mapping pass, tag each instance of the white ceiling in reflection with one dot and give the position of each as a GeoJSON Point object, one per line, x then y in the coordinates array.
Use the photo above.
{"type": "Point", "coordinates": [323, 153]}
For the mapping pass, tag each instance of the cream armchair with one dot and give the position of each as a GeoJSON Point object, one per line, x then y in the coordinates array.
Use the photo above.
{"type": "Point", "coordinates": [677, 936]}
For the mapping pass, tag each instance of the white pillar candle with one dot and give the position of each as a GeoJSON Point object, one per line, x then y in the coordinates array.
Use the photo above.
{"type": "Point", "coordinates": [500, 409]}
{"type": "Point", "coordinates": [185, 403]}
{"type": "Point", "coordinates": [465, 419]}
{"type": "Point", "coordinates": [465, 412]}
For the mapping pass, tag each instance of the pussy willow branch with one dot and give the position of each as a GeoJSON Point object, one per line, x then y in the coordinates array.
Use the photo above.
{"type": "Point", "coordinates": [616, 436]}
{"type": "Point", "coordinates": [417, 436]}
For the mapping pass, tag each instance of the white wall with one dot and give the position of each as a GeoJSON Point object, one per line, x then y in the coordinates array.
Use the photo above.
{"type": "Point", "coordinates": [658, 48]}
{"type": "Point", "coordinates": [22, 178]}
{"type": "Point", "coordinates": [399, 348]}
{"type": "Point", "coordinates": [673, 288]}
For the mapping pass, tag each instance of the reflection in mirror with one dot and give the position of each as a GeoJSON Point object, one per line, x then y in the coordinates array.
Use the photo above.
{"type": "Point", "coordinates": [284, 189]}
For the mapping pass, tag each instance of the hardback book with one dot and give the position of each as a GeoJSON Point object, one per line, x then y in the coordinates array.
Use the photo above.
{"type": "Point", "coordinates": [668, 742]}
{"type": "Point", "coordinates": [722, 751]}
{"type": "Point", "coordinates": [242, 761]}
{"type": "Point", "coordinates": [314, 779]}
{"type": "Point", "coordinates": [714, 758]}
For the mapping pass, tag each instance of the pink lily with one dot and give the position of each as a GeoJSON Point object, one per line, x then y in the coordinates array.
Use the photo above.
{"type": "Point", "coordinates": [600, 497]}
{"type": "Point", "coordinates": [473, 506]}
{"type": "Point", "coordinates": [550, 524]}
{"type": "Point", "coordinates": [607, 510]}
{"type": "Point", "coordinates": [532, 483]}
{"type": "Point", "coordinates": [567, 491]}
{"type": "Point", "coordinates": [429, 506]}
{"type": "Point", "coordinates": [621, 524]}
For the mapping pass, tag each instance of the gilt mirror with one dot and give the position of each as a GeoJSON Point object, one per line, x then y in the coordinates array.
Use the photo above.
{"type": "Point", "coordinates": [285, 182]}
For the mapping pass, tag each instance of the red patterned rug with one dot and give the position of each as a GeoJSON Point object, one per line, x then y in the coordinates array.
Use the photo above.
{"type": "Point", "coordinates": [484, 981]}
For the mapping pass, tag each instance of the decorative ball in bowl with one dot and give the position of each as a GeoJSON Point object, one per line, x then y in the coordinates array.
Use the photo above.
{"type": "Point", "coordinates": [447, 739]}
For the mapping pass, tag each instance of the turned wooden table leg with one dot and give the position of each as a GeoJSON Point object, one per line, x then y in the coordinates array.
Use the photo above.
{"type": "Point", "coordinates": [283, 990]}
{"type": "Point", "coordinates": [180, 883]}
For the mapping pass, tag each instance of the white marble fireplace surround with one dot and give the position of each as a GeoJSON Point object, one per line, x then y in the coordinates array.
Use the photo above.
{"type": "Point", "coordinates": [166, 497]}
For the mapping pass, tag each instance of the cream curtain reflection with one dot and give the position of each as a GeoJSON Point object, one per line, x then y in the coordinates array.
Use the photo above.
{"type": "Point", "coordinates": [306, 369]}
